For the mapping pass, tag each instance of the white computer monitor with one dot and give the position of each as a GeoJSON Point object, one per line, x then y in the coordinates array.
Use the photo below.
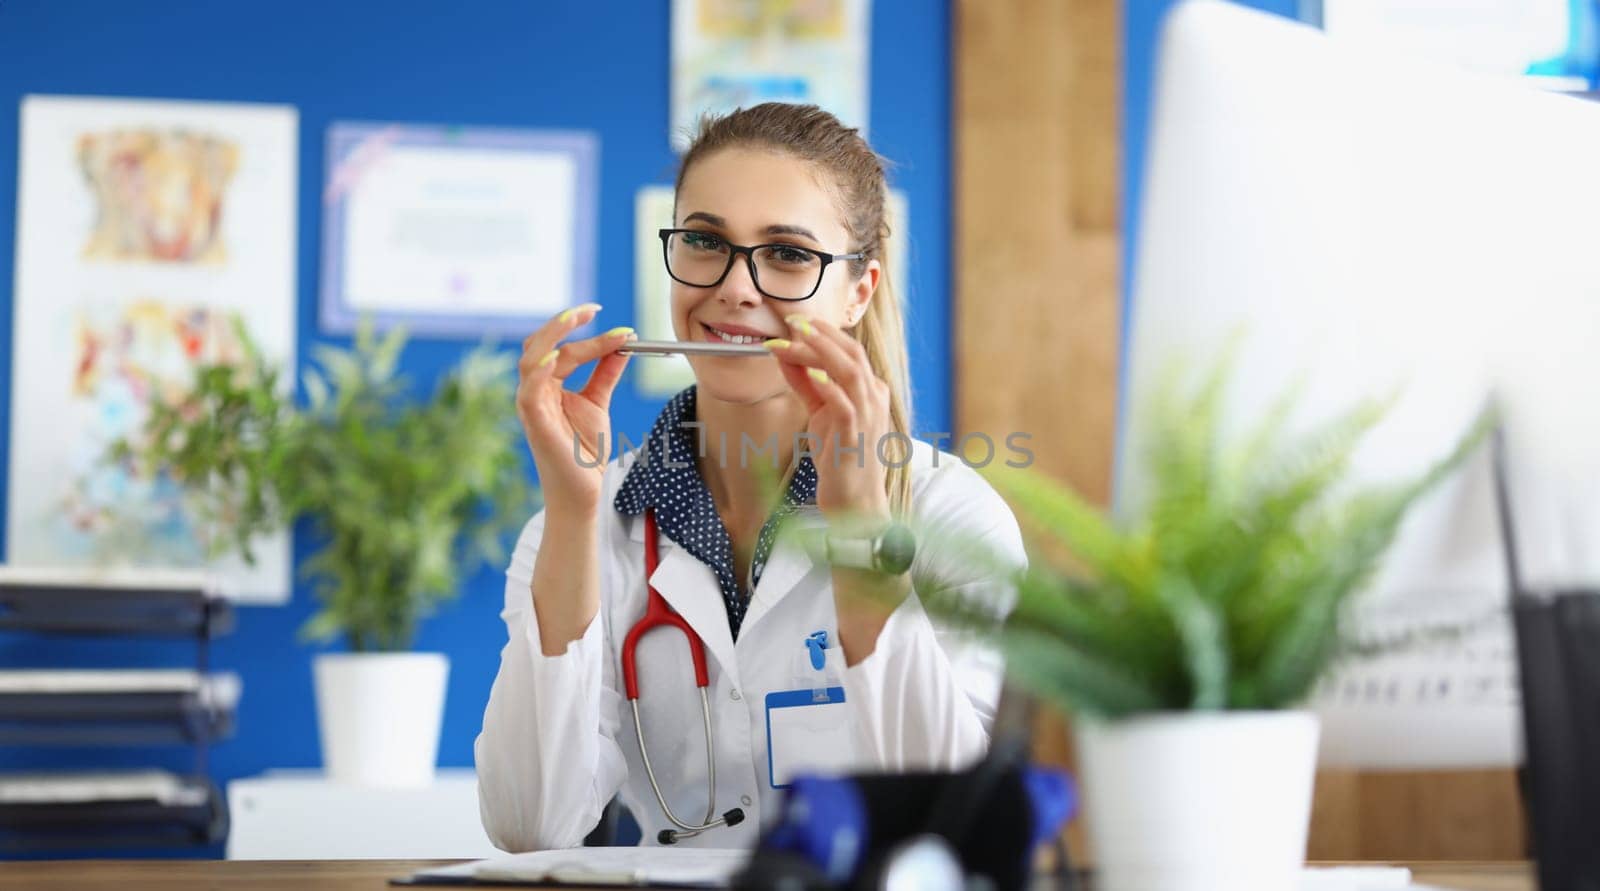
{"type": "Point", "coordinates": [1375, 223]}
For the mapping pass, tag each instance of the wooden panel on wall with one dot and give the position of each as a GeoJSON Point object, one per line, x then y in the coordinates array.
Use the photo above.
{"type": "Point", "coordinates": [1037, 296]}
{"type": "Point", "coordinates": [1036, 222]}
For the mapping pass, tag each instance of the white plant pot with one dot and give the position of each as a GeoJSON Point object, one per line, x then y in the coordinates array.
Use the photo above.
{"type": "Point", "coordinates": [380, 715]}
{"type": "Point", "coordinates": [1205, 801]}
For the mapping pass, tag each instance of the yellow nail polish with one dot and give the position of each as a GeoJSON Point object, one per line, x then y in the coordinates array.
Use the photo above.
{"type": "Point", "coordinates": [549, 357]}
{"type": "Point", "coordinates": [776, 343]}
{"type": "Point", "coordinates": [567, 314]}
{"type": "Point", "coordinates": [800, 323]}
{"type": "Point", "coordinates": [818, 375]}
{"type": "Point", "coordinates": [620, 329]}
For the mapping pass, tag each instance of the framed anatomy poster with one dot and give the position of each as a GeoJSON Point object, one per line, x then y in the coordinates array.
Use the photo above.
{"type": "Point", "coordinates": [457, 231]}
{"type": "Point", "coordinates": [142, 227]}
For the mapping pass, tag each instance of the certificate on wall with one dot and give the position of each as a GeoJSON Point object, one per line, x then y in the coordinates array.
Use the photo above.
{"type": "Point", "coordinates": [457, 232]}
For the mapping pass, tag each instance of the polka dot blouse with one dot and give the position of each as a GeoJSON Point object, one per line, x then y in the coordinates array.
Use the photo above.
{"type": "Point", "coordinates": [668, 480]}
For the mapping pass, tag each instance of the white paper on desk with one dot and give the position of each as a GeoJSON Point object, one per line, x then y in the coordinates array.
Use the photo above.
{"type": "Point", "coordinates": [693, 867]}
{"type": "Point", "coordinates": [1356, 878]}
{"type": "Point", "coordinates": [715, 868]}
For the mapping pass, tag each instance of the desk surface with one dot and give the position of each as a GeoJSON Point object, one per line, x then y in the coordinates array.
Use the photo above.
{"type": "Point", "coordinates": [374, 875]}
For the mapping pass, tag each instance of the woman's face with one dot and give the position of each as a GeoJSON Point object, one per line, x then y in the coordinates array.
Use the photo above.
{"type": "Point", "coordinates": [749, 197]}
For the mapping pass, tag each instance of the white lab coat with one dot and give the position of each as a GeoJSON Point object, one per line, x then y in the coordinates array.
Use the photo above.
{"type": "Point", "coordinates": [558, 739]}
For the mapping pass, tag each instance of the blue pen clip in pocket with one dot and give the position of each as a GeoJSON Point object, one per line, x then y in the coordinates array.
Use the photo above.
{"type": "Point", "coordinates": [819, 679]}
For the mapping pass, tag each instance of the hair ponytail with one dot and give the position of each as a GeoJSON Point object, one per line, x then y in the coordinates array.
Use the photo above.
{"type": "Point", "coordinates": [881, 331]}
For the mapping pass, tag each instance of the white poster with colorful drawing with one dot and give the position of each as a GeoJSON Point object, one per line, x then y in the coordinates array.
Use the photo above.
{"type": "Point", "coordinates": [728, 54]}
{"type": "Point", "coordinates": [141, 226]}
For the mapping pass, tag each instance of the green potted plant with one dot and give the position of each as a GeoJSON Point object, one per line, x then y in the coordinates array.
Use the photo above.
{"type": "Point", "coordinates": [1186, 637]}
{"type": "Point", "coordinates": [406, 496]}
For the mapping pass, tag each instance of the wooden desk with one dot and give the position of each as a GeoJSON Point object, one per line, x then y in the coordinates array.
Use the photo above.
{"type": "Point", "coordinates": [1475, 876]}
{"type": "Point", "coordinates": [374, 875]}
{"type": "Point", "coordinates": [194, 875]}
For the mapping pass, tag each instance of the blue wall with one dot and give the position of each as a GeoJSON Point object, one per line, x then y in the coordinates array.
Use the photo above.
{"type": "Point", "coordinates": [602, 66]}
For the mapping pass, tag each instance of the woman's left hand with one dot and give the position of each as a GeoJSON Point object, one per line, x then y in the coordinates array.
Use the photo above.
{"type": "Point", "coordinates": [849, 406]}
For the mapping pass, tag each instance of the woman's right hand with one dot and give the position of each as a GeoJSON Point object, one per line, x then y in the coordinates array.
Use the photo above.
{"type": "Point", "coordinates": [564, 426]}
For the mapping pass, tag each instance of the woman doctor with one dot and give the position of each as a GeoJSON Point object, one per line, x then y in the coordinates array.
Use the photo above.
{"type": "Point", "coordinates": [778, 238]}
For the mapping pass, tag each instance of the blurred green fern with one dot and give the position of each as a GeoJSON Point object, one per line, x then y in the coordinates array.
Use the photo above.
{"type": "Point", "coordinates": [1225, 591]}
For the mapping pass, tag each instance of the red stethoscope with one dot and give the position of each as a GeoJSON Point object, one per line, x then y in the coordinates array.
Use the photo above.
{"type": "Point", "coordinates": [656, 615]}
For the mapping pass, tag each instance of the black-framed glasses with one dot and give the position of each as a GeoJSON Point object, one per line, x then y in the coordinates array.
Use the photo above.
{"type": "Point", "coordinates": [702, 259]}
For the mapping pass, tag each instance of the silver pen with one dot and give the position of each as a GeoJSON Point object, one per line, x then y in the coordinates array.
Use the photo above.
{"type": "Point", "coordinates": [691, 347]}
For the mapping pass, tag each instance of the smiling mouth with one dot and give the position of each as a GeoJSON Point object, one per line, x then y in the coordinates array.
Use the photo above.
{"type": "Point", "coordinates": [724, 337]}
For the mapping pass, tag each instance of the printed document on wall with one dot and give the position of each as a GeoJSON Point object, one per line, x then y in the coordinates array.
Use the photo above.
{"type": "Point", "coordinates": [728, 54]}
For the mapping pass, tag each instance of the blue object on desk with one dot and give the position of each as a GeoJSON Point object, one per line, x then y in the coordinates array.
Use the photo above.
{"type": "Point", "coordinates": [826, 824]}
{"type": "Point", "coordinates": [846, 825]}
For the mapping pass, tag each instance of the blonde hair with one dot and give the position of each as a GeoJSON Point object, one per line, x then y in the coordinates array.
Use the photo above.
{"type": "Point", "coordinates": [810, 134]}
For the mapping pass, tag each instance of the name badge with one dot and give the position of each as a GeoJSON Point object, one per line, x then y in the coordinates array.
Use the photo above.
{"type": "Point", "coordinates": [808, 728]}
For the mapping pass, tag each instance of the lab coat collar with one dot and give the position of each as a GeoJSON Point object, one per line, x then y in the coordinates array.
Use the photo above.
{"type": "Point", "coordinates": [787, 567]}
{"type": "Point", "coordinates": [668, 479]}
{"type": "Point", "coordinates": [690, 587]}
